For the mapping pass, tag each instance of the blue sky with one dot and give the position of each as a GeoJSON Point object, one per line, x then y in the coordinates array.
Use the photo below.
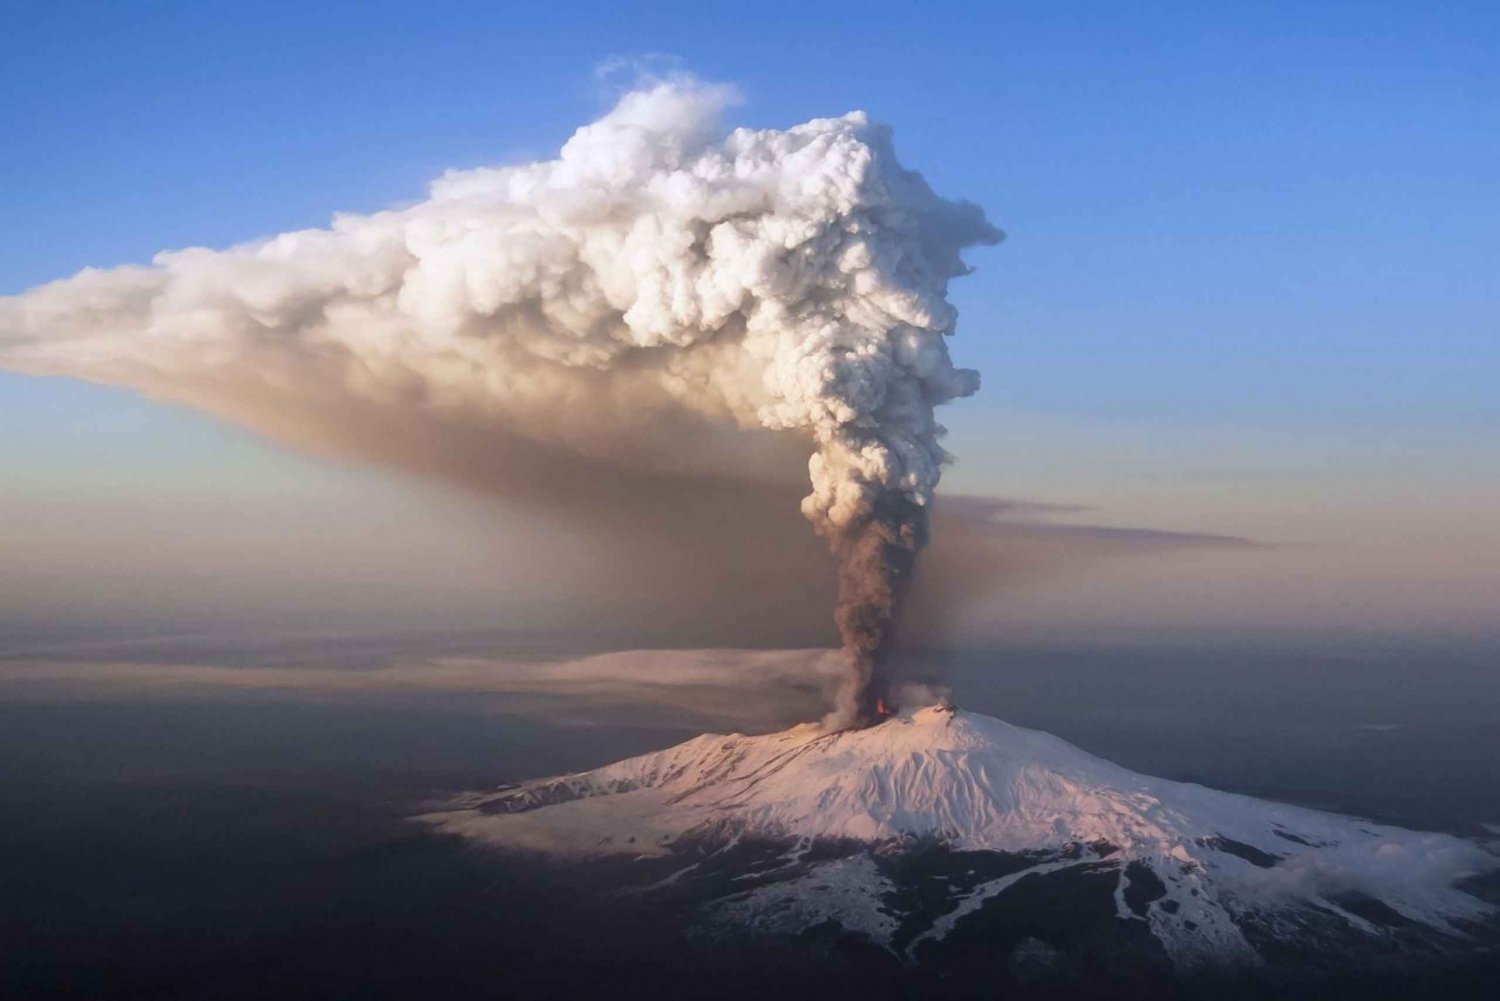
{"type": "Point", "coordinates": [1250, 274]}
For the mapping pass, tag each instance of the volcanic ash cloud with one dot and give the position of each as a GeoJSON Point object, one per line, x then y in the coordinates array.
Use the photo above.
{"type": "Point", "coordinates": [621, 304]}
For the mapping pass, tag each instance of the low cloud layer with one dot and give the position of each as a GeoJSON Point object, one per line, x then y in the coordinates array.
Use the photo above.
{"type": "Point", "coordinates": [749, 688]}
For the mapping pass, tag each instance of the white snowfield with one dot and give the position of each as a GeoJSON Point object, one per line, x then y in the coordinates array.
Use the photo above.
{"type": "Point", "coordinates": [973, 782]}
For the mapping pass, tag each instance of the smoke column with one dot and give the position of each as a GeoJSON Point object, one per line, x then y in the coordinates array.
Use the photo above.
{"type": "Point", "coordinates": [643, 301]}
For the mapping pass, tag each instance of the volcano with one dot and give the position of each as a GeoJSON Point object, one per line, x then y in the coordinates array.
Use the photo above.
{"type": "Point", "coordinates": [938, 831]}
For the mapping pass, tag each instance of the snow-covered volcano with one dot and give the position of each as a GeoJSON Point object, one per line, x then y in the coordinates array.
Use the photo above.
{"type": "Point", "coordinates": [937, 822]}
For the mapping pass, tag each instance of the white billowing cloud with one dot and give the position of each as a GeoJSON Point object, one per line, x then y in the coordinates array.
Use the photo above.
{"type": "Point", "coordinates": [657, 275]}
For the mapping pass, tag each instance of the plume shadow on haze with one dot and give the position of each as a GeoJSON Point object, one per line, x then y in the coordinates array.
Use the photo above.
{"type": "Point", "coordinates": [703, 557]}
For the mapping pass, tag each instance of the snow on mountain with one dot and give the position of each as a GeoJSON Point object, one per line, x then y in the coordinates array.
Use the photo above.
{"type": "Point", "coordinates": [1212, 875]}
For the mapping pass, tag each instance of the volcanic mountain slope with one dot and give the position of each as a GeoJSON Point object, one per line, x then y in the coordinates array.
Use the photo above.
{"type": "Point", "coordinates": [938, 827]}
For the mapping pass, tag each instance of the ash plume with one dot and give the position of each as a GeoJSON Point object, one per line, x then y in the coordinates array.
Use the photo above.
{"type": "Point", "coordinates": [661, 298]}
{"type": "Point", "coordinates": [876, 557]}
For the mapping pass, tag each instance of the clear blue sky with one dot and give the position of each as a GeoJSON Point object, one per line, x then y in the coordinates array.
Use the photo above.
{"type": "Point", "coordinates": [1249, 243]}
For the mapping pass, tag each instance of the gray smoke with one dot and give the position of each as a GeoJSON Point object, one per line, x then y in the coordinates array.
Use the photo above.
{"type": "Point", "coordinates": [652, 300]}
{"type": "Point", "coordinates": [876, 559]}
